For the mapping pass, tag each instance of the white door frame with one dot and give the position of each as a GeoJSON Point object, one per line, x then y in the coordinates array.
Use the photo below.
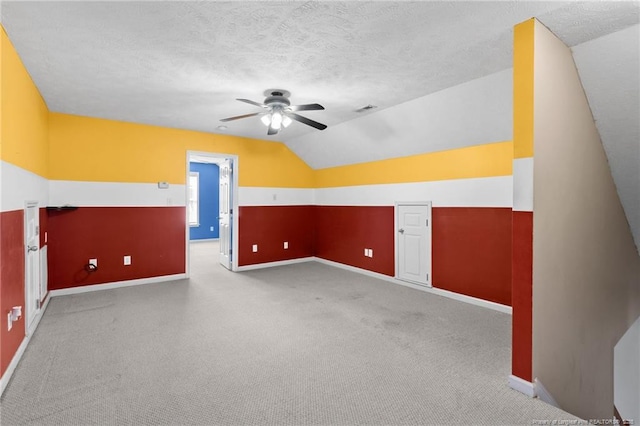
{"type": "Point", "coordinates": [30, 313]}
{"type": "Point", "coordinates": [234, 203]}
{"type": "Point", "coordinates": [396, 220]}
{"type": "Point", "coordinates": [224, 210]}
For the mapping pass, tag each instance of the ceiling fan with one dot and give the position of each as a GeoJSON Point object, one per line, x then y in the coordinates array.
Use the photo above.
{"type": "Point", "coordinates": [279, 112]}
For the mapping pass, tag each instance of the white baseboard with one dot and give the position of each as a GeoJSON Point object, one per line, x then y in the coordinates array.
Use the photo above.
{"type": "Point", "coordinates": [6, 377]}
{"type": "Point", "coordinates": [272, 264]}
{"type": "Point", "coordinates": [543, 394]}
{"type": "Point", "coordinates": [355, 269]}
{"type": "Point", "coordinates": [116, 284]}
{"type": "Point", "coordinates": [522, 386]}
{"type": "Point", "coordinates": [451, 295]}
{"type": "Point", "coordinates": [460, 297]}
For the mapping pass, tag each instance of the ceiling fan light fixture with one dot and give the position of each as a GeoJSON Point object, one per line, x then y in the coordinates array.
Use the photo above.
{"type": "Point", "coordinates": [278, 112]}
{"type": "Point", "coordinates": [276, 120]}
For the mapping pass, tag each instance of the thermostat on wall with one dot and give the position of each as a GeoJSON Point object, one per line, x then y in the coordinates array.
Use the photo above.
{"type": "Point", "coordinates": [163, 185]}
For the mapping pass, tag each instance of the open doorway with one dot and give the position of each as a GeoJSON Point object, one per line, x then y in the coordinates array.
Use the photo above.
{"type": "Point", "coordinates": [209, 219]}
{"type": "Point", "coordinates": [203, 202]}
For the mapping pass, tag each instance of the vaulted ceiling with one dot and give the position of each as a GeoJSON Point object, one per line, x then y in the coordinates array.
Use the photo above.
{"type": "Point", "coordinates": [182, 64]}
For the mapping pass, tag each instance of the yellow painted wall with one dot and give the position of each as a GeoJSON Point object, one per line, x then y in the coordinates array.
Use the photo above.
{"type": "Point", "coordinates": [494, 159]}
{"type": "Point", "coordinates": [523, 60]}
{"type": "Point", "coordinates": [3, 37]}
{"type": "Point", "coordinates": [24, 115]}
{"type": "Point", "coordinates": [91, 149]}
{"type": "Point", "coordinates": [68, 147]}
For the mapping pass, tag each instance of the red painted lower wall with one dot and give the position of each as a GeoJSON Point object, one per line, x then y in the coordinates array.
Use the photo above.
{"type": "Point", "coordinates": [471, 246]}
{"type": "Point", "coordinates": [522, 290]}
{"type": "Point", "coordinates": [472, 252]}
{"type": "Point", "coordinates": [269, 227]}
{"type": "Point", "coordinates": [11, 283]}
{"type": "Point", "coordinates": [154, 237]}
{"type": "Point", "coordinates": [343, 232]}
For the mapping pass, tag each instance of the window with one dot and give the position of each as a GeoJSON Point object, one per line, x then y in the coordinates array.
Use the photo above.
{"type": "Point", "coordinates": [194, 183]}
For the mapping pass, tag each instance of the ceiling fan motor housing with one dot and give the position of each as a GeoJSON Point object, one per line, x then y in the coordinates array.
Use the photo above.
{"type": "Point", "coordinates": [277, 97]}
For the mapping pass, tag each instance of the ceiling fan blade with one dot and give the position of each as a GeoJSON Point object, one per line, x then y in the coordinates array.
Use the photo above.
{"type": "Point", "coordinates": [306, 121]}
{"type": "Point", "coordinates": [272, 131]}
{"type": "Point", "coordinates": [248, 101]}
{"type": "Point", "coordinates": [238, 117]}
{"type": "Point", "coordinates": [307, 107]}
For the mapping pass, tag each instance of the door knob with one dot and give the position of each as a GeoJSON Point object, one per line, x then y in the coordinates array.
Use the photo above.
{"type": "Point", "coordinates": [32, 248]}
{"type": "Point", "coordinates": [401, 231]}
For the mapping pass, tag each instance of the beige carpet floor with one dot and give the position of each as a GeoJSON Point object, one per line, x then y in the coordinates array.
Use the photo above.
{"type": "Point", "coordinates": [304, 344]}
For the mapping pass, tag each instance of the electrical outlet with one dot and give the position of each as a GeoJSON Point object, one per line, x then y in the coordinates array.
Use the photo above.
{"type": "Point", "coordinates": [93, 262]}
{"type": "Point", "coordinates": [286, 245]}
{"type": "Point", "coordinates": [211, 228]}
{"type": "Point", "coordinates": [9, 322]}
{"type": "Point", "coordinates": [370, 252]}
{"type": "Point", "coordinates": [127, 260]}
{"type": "Point", "coordinates": [255, 248]}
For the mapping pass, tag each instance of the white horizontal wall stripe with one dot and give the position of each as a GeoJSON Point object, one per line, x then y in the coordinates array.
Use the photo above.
{"type": "Point", "coordinates": [256, 196]}
{"type": "Point", "coordinates": [523, 184]}
{"type": "Point", "coordinates": [476, 192]}
{"type": "Point", "coordinates": [114, 194]}
{"type": "Point", "coordinates": [19, 185]}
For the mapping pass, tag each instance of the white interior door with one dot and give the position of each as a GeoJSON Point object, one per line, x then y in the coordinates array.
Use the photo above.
{"type": "Point", "coordinates": [226, 212]}
{"type": "Point", "coordinates": [414, 242]}
{"type": "Point", "coordinates": [32, 264]}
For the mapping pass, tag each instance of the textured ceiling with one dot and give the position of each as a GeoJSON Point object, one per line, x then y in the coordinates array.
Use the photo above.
{"type": "Point", "coordinates": [182, 64]}
{"type": "Point", "coordinates": [603, 64]}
